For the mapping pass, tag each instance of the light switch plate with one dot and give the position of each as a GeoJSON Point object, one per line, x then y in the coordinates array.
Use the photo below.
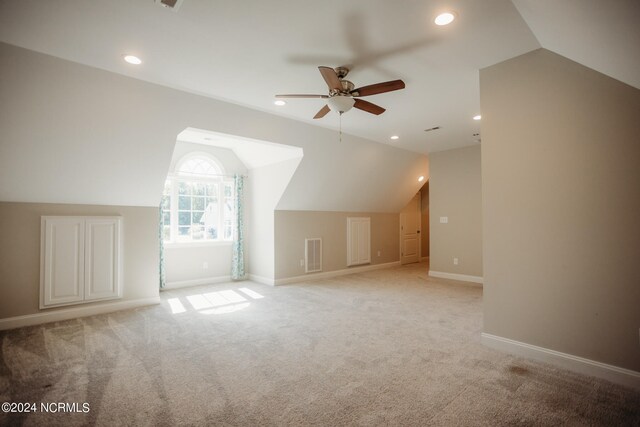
{"type": "Point", "coordinates": [444, 219]}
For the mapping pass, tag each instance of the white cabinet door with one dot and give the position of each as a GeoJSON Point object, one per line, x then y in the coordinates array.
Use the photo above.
{"type": "Point", "coordinates": [358, 241]}
{"type": "Point", "coordinates": [80, 260]}
{"type": "Point", "coordinates": [62, 270]}
{"type": "Point", "coordinates": [101, 271]}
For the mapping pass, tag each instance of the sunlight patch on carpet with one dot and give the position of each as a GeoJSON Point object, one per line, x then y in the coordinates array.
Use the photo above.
{"type": "Point", "coordinates": [218, 302]}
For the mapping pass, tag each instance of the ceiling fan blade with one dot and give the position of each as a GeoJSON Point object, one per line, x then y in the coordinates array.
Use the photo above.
{"type": "Point", "coordinates": [330, 76]}
{"type": "Point", "coordinates": [323, 112]}
{"type": "Point", "coordinates": [378, 88]}
{"type": "Point", "coordinates": [301, 96]}
{"type": "Point", "coordinates": [368, 107]}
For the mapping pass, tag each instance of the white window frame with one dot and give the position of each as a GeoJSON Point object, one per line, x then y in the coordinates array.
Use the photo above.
{"type": "Point", "coordinates": [175, 178]}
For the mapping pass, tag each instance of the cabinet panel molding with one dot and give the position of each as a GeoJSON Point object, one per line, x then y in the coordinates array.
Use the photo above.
{"type": "Point", "coordinates": [101, 273]}
{"type": "Point", "coordinates": [358, 240]}
{"type": "Point", "coordinates": [63, 259]}
{"type": "Point", "coordinates": [79, 259]}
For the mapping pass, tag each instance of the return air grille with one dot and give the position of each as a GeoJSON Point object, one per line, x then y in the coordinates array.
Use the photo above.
{"type": "Point", "coordinates": [312, 255]}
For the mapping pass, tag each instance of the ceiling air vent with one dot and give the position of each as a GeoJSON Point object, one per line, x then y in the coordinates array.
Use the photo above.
{"type": "Point", "coordinates": [170, 4]}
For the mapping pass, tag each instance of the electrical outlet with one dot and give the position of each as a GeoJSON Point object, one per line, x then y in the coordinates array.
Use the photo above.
{"type": "Point", "coordinates": [455, 261]}
{"type": "Point", "coordinates": [205, 265]}
{"type": "Point", "coordinates": [301, 263]}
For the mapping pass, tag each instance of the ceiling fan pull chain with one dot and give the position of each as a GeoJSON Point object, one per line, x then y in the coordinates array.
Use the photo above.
{"type": "Point", "coordinates": [341, 127]}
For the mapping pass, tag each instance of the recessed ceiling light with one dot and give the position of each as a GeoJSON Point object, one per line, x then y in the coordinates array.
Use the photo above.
{"type": "Point", "coordinates": [131, 59]}
{"type": "Point", "coordinates": [445, 18]}
{"type": "Point", "coordinates": [421, 178]}
{"type": "Point", "coordinates": [478, 117]}
{"type": "Point", "coordinates": [279, 102]}
{"type": "Point", "coordinates": [395, 137]}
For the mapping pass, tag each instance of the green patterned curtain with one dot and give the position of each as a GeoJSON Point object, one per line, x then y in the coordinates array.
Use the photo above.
{"type": "Point", "coordinates": [161, 238]}
{"type": "Point", "coordinates": [237, 262]}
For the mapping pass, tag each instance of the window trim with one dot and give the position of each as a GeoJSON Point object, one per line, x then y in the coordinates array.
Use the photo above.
{"type": "Point", "coordinates": [195, 154]}
{"type": "Point", "coordinates": [174, 178]}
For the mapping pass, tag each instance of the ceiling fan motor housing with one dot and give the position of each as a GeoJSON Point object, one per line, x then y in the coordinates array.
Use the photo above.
{"type": "Point", "coordinates": [347, 86]}
{"type": "Point", "coordinates": [341, 72]}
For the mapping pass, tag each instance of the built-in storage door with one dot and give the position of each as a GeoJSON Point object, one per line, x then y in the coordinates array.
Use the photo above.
{"type": "Point", "coordinates": [80, 260]}
{"type": "Point", "coordinates": [63, 260]}
{"type": "Point", "coordinates": [358, 241]}
{"type": "Point", "coordinates": [101, 251]}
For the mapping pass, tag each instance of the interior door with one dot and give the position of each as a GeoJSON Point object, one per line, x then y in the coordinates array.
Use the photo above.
{"type": "Point", "coordinates": [410, 232]}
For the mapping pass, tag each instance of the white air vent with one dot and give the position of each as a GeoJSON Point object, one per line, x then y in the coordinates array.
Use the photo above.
{"type": "Point", "coordinates": [312, 255]}
{"type": "Point", "coordinates": [170, 4]}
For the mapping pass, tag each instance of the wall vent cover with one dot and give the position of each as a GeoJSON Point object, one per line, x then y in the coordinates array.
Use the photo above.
{"type": "Point", "coordinates": [312, 255]}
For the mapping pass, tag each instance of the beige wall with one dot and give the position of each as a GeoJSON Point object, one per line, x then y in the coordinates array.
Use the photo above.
{"type": "Point", "coordinates": [292, 227]}
{"type": "Point", "coordinates": [424, 219]}
{"type": "Point", "coordinates": [455, 191]}
{"type": "Point", "coordinates": [20, 252]}
{"type": "Point", "coordinates": [561, 182]}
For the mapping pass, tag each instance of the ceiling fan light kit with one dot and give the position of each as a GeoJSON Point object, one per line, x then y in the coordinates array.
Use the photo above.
{"type": "Point", "coordinates": [343, 95]}
{"type": "Point", "coordinates": [341, 104]}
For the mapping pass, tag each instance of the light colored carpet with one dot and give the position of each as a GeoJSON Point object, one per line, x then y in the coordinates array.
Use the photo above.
{"type": "Point", "coordinates": [390, 347]}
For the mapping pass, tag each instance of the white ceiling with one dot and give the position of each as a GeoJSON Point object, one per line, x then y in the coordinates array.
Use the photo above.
{"type": "Point", "coordinates": [603, 35]}
{"type": "Point", "coordinates": [247, 51]}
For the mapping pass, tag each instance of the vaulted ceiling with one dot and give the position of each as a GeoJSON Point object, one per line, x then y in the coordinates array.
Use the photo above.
{"type": "Point", "coordinates": [245, 52]}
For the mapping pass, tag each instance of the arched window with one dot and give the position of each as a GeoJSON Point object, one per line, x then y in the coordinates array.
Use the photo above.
{"type": "Point", "coordinates": [197, 201]}
{"type": "Point", "coordinates": [198, 165]}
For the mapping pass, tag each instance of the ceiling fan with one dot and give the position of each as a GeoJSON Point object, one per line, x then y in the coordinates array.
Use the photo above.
{"type": "Point", "coordinates": [342, 95]}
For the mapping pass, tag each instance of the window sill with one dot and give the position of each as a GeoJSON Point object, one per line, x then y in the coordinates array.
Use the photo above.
{"type": "Point", "coordinates": [177, 245]}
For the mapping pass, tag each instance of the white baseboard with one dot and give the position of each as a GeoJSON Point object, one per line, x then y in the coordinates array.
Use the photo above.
{"type": "Point", "coordinates": [75, 312]}
{"type": "Point", "coordinates": [196, 282]}
{"type": "Point", "coordinates": [261, 279]}
{"type": "Point", "coordinates": [570, 362]}
{"type": "Point", "coordinates": [455, 276]}
{"type": "Point", "coordinates": [335, 273]}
